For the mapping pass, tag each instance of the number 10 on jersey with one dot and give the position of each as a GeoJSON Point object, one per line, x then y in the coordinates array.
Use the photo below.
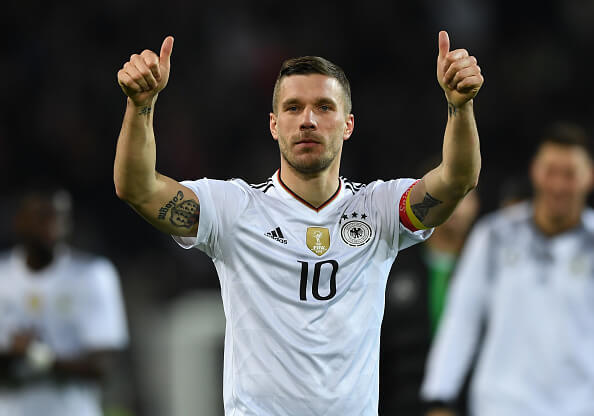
{"type": "Point", "coordinates": [319, 267]}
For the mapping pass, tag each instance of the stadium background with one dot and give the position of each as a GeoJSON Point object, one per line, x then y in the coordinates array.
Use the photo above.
{"type": "Point", "coordinates": [61, 107]}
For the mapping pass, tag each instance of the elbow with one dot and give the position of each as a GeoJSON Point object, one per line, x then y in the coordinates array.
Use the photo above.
{"type": "Point", "coordinates": [459, 188]}
{"type": "Point", "coordinates": [460, 184]}
{"type": "Point", "coordinates": [122, 193]}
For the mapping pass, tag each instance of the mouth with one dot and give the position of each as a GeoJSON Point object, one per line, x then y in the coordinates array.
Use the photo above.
{"type": "Point", "coordinates": [307, 140]}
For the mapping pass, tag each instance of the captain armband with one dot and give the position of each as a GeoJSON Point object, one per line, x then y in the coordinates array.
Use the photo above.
{"type": "Point", "coordinates": [407, 216]}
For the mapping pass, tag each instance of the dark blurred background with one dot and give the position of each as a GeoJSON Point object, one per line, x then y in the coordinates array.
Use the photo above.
{"type": "Point", "coordinates": [61, 106]}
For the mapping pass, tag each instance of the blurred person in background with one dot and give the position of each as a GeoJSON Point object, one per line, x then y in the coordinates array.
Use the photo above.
{"type": "Point", "coordinates": [61, 315]}
{"type": "Point", "coordinates": [415, 296]}
{"type": "Point", "coordinates": [527, 273]}
{"type": "Point", "coordinates": [304, 257]}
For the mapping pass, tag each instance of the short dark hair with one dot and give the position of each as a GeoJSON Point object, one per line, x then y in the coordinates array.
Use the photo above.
{"type": "Point", "coordinates": [306, 65]}
{"type": "Point", "coordinates": [567, 134]}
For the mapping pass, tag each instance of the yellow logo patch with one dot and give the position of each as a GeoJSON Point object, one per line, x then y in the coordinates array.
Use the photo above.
{"type": "Point", "coordinates": [318, 240]}
{"type": "Point", "coordinates": [34, 302]}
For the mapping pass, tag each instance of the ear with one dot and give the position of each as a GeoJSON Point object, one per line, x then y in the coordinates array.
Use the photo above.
{"type": "Point", "coordinates": [533, 169]}
{"type": "Point", "coordinates": [349, 127]}
{"type": "Point", "coordinates": [273, 129]}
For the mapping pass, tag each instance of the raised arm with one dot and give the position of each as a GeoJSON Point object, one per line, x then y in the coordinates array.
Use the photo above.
{"type": "Point", "coordinates": [434, 198]}
{"type": "Point", "coordinates": [162, 201]}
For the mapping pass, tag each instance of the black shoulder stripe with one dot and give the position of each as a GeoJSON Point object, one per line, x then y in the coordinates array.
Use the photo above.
{"type": "Point", "coordinates": [354, 185]}
{"type": "Point", "coordinates": [262, 185]}
{"type": "Point", "coordinates": [268, 187]}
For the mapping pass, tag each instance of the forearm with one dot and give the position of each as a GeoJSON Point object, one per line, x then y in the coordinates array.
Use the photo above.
{"type": "Point", "coordinates": [134, 169]}
{"type": "Point", "coordinates": [461, 161]}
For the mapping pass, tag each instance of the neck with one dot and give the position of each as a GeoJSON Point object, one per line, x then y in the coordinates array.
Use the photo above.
{"type": "Point", "coordinates": [37, 257]}
{"type": "Point", "coordinates": [551, 225]}
{"type": "Point", "coordinates": [315, 188]}
{"type": "Point", "coordinates": [446, 241]}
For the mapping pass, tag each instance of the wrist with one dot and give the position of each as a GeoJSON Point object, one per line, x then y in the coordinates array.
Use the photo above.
{"type": "Point", "coordinates": [150, 102]}
{"type": "Point", "coordinates": [460, 108]}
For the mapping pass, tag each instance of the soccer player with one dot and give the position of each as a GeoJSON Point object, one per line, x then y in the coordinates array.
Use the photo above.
{"type": "Point", "coordinates": [302, 258]}
{"type": "Point", "coordinates": [527, 272]}
{"type": "Point", "coordinates": [61, 316]}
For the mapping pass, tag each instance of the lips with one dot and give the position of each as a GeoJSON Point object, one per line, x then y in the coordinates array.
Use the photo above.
{"type": "Point", "coordinates": [307, 140]}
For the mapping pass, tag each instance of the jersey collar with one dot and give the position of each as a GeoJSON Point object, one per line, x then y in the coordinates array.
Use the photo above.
{"type": "Point", "coordinates": [287, 193]}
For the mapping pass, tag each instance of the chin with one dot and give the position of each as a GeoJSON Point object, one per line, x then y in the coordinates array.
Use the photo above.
{"type": "Point", "coordinates": [309, 163]}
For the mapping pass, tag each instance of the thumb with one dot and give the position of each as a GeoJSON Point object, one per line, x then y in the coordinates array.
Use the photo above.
{"type": "Point", "coordinates": [444, 43]}
{"type": "Point", "coordinates": [166, 50]}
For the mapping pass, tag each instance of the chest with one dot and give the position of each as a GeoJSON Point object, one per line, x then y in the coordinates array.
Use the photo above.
{"type": "Point", "coordinates": [34, 302]}
{"type": "Point", "coordinates": [307, 257]}
{"type": "Point", "coordinates": [548, 272]}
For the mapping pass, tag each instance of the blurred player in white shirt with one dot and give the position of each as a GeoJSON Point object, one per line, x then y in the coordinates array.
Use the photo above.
{"type": "Point", "coordinates": [527, 273]}
{"type": "Point", "coordinates": [61, 316]}
{"type": "Point", "coordinates": [302, 258]}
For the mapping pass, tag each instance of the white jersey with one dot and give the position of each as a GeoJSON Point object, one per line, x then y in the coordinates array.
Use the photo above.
{"type": "Point", "coordinates": [536, 295]}
{"type": "Point", "coordinates": [303, 291]}
{"type": "Point", "coordinates": [75, 306]}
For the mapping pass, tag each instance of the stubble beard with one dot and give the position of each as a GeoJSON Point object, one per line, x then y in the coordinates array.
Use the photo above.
{"type": "Point", "coordinates": [309, 165]}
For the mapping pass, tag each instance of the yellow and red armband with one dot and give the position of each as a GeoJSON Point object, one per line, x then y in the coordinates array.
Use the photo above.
{"type": "Point", "coordinates": [407, 216]}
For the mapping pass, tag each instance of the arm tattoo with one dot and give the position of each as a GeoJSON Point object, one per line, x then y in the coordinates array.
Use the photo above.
{"type": "Point", "coordinates": [145, 111]}
{"type": "Point", "coordinates": [182, 213]}
{"type": "Point", "coordinates": [422, 208]}
{"type": "Point", "coordinates": [452, 110]}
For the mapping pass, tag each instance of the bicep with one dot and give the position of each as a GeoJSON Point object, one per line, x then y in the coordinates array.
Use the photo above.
{"type": "Point", "coordinates": [173, 208]}
{"type": "Point", "coordinates": [430, 200]}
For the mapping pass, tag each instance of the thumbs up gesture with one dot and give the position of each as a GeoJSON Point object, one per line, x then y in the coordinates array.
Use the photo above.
{"type": "Point", "coordinates": [457, 72]}
{"type": "Point", "coordinates": [145, 75]}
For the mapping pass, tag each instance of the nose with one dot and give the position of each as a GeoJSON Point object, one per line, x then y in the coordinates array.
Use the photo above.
{"type": "Point", "coordinates": [309, 121]}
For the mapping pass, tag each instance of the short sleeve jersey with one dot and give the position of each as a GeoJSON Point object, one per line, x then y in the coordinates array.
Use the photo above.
{"type": "Point", "coordinates": [75, 306]}
{"type": "Point", "coordinates": [303, 291]}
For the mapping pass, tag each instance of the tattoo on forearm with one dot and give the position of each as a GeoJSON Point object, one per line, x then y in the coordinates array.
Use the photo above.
{"type": "Point", "coordinates": [422, 208]}
{"type": "Point", "coordinates": [452, 110]}
{"type": "Point", "coordinates": [182, 213]}
{"type": "Point", "coordinates": [145, 111]}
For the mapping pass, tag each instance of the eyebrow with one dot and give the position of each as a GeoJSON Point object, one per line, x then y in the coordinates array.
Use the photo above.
{"type": "Point", "coordinates": [319, 100]}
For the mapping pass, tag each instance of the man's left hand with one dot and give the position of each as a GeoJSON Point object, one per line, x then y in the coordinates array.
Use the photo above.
{"type": "Point", "coordinates": [457, 73]}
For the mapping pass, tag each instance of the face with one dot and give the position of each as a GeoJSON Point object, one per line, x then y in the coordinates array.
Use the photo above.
{"type": "Point", "coordinates": [43, 222]}
{"type": "Point", "coordinates": [562, 177]}
{"type": "Point", "coordinates": [310, 123]}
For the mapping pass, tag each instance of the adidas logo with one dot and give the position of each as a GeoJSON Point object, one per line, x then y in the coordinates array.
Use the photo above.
{"type": "Point", "coordinates": [277, 235]}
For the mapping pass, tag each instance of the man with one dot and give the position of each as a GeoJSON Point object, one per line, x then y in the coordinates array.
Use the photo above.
{"type": "Point", "coordinates": [415, 295]}
{"type": "Point", "coordinates": [61, 316]}
{"type": "Point", "coordinates": [528, 272]}
{"type": "Point", "coordinates": [302, 258]}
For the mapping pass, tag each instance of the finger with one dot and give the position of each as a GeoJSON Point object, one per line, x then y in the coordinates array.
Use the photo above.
{"type": "Point", "coordinates": [457, 54]}
{"type": "Point", "coordinates": [136, 75]}
{"type": "Point", "coordinates": [464, 73]}
{"type": "Point", "coordinates": [152, 61]}
{"type": "Point", "coordinates": [450, 57]}
{"type": "Point", "coordinates": [166, 50]}
{"type": "Point", "coordinates": [457, 66]}
{"type": "Point", "coordinates": [144, 70]}
{"type": "Point", "coordinates": [126, 82]}
{"type": "Point", "coordinates": [444, 43]}
{"type": "Point", "coordinates": [471, 83]}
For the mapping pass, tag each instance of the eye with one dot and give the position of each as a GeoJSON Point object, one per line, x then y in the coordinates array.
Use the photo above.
{"type": "Point", "coordinates": [292, 108]}
{"type": "Point", "coordinates": [325, 107]}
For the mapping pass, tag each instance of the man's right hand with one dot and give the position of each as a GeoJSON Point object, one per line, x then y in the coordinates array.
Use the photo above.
{"type": "Point", "coordinates": [145, 75]}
